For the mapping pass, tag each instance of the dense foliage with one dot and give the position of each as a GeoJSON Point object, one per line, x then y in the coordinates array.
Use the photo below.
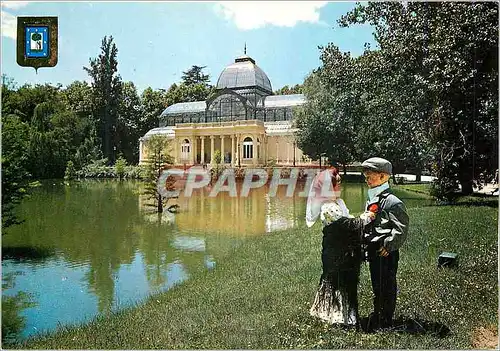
{"type": "Point", "coordinates": [15, 176]}
{"type": "Point", "coordinates": [286, 90]}
{"type": "Point", "coordinates": [426, 98]}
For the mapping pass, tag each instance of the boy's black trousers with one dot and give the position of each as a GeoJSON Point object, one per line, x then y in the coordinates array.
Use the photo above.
{"type": "Point", "coordinates": [383, 276]}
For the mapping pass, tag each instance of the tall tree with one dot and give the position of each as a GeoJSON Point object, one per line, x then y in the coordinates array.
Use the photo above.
{"type": "Point", "coordinates": [15, 176]}
{"type": "Point", "coordinates": [390, 125]}
{"type": "Point", "coordinates": [41, 146]}
{"type": "Point", "coordinates": [451, 51]}
{"type": "Point", "coordinates": [153, 104]}
{"type": "Point", "coordinates": [106, 95]}
{"type": "Point", "coordinates": [195, 75]}
{"type": "Point", "coordinates": [77, 97]}
{"type": "Point", "coordinates": [130, 111]}
{"type": "Point", "coordinates": [331, 115]}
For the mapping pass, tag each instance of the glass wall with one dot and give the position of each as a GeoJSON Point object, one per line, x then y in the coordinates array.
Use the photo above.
{"type": "Point", "coordinates": [226, 108]}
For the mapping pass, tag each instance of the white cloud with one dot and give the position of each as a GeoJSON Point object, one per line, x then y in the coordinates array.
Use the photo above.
{"type": "Point", "coordinates": [9, 21]}
{"type": "Point", "coordinates": [14, 5]}
{"type": "Point", "coordinates": [256, 14]}
{"type": "Point", "coordinates": [9, 25]}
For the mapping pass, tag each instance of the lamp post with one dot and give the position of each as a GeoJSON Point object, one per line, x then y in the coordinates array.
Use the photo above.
{"type": "Point", "coordinates": [294, 153]}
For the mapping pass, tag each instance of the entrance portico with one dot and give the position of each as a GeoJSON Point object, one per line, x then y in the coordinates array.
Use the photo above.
{"type": "Point", "coordinates": [239, 142]}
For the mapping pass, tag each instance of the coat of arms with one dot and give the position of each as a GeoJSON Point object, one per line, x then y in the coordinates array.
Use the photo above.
{"type": "Point", "coordinates": [37, 41]}
{"type": "Point", "coordinates": [37, 44]}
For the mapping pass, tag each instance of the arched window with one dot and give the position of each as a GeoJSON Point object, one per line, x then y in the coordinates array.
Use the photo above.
{"type": "Point", "coordinates": [248, 148]}
{"type": "Point", "coordinates": [185, 147]}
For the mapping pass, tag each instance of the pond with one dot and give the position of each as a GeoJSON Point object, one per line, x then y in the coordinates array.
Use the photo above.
{"type": "Point", "coordinates": [91, 247]}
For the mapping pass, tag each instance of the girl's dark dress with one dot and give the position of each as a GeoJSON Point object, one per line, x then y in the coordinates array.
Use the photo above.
{"type": "Point", "coordinates": [337, 298]}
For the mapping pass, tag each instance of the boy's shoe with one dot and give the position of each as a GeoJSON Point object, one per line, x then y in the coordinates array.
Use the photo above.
{"type": "Point", "coordinates": [373, 322]}
{"type": "Point", "coordinates": [377, 324]}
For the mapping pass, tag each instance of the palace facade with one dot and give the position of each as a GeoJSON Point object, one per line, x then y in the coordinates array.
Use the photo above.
{"type": "Point", "coordinates": [243, 120]}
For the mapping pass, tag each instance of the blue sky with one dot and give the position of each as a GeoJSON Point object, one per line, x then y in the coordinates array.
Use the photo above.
{"type": "Point", "coordinates": [158, 40]}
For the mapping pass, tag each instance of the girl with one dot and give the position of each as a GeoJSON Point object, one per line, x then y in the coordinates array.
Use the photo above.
{"type": "Point", "coordinates": [336, 300]}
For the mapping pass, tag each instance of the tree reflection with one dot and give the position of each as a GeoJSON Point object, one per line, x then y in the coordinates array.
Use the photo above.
{"type": "Point", "coordinates": [13, 323]}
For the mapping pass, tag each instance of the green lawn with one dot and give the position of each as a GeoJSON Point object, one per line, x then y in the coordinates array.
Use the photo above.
{"type": "Point", "coordinates": [423, 188]}
{"type": "Point", "coordinates": [259, 297]}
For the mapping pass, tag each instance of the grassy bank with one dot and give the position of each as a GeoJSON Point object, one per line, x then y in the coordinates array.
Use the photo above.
{"type": "Point", "coordinates": [423, 188]}
{"type": "Point", "coordinates": [259, 296]}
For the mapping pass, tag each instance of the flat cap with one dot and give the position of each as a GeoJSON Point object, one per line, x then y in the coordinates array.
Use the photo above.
{"type": "Point", "coordinates": [378, 164]}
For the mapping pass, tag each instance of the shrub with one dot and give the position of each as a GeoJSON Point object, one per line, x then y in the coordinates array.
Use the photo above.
{"type": "Point", "coordinates": [217, 157]}
{"type": "Point", "coordinates": [70, 172]}
{"type": "Point", "coordinates": [97, 169]}
{"type": "Point", "coordinates": [271, 162]}
{"type": "Point", "coordinates": [134, 172]}
{"type": "Point", "coordinates": [120, 165]}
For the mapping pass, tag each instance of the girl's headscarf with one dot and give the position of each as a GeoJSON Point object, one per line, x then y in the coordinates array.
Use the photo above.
{"type": "Point", "coordinates": [320, 192]}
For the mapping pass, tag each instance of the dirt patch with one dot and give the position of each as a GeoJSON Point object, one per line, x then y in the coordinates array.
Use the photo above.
{"type": "Point", "coordinates": [485, 338]}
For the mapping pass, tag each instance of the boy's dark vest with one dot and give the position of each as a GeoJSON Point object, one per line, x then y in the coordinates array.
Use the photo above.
{"type": "Point", "coordinates": [369, 246]}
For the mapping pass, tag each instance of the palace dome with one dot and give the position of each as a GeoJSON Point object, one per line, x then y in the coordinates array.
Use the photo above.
{"type": "Point", "coordinates": [244, 74]}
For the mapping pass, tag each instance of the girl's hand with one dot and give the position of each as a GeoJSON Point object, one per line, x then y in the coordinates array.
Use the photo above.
{"type": "Point", "coordinates": [367, 217]}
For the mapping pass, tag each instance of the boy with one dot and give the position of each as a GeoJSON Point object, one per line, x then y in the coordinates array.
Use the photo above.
{"type": "Point", "coordinates": [382, 240]}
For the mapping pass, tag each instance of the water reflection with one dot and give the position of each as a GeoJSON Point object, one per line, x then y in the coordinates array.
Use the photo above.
{"type": "Point", "coordinates": [13, 322]}
{"type": "Point", "coordinates": [255, 214]}
{"type": "Point", "coordinates": [91, 248]}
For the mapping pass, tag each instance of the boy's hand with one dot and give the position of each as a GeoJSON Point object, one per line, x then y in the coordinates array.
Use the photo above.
{"type": "Point", "coordinates": [383, 252]}
{"type": "Point", "coordinates": [367, 217]}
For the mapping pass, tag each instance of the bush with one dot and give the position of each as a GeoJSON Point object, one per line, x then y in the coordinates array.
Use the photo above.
{"type": "Point", "coordinates": [134, 172]}
{"type": "Point", "coordinates": [271, 162]}
{"type": "Point", "coordinates": [70, 172]}
{"type": "Point", "coordinates": [97, 169]}
{"type": "Point", "coordinates": [120, 165]}
{"type": "Point", "coordinates": [445, 190]}
{"type": "Point", "coordinates": [217, 157]}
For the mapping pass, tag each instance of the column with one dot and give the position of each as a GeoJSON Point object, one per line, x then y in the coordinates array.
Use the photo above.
{"type": "Point", "coordinates": [212, 149]}
{"type": "Point", "coordinates": [254, 151]}
{"type": "Point", "coordinates": [222, 148]}
{"type": "Point", "coordinates": [202, 149]}
{"type": "Point", "coordinates": [238, 147]}
{"type": "Point", "coordinates": [267, 150]}
{"type": "Point", "coordinates": [277, 144]}
{"type": "Point", "coordinates": [233, 152]}
{"type": "Point", "coordinates": [263, 149]}
{"type": "Point", "coordinates": [288, 152]}
{"type": "Point", "coordinates": [193, 150]}
{"type": "Point", "coordinates": [176, 151]}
